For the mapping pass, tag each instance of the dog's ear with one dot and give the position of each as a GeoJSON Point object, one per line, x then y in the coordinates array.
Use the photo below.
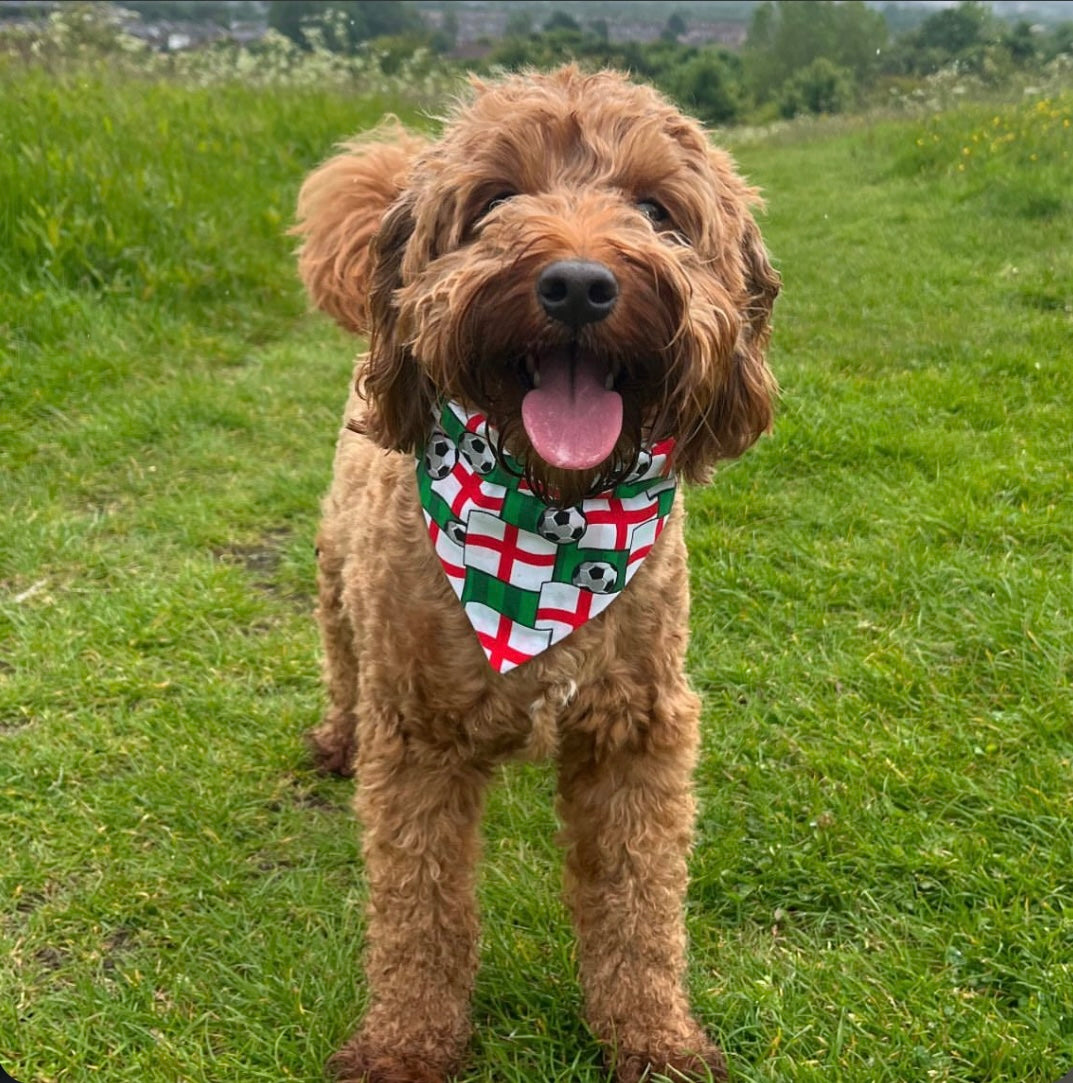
{"type": "Point", "coordinates": [340, 209]}
{"type": "Point", "coordinates": [741, 408]}
{"type": "Point", "coordinates": [398, 395]}
{"type": "Point", "coordinates": [747, 402]}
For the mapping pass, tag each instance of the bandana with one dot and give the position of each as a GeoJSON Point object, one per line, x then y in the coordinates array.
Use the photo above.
{"type": "Point", "coordinates": [528, 573]}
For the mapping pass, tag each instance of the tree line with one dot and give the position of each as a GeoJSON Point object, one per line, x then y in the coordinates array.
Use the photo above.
{"type": "Point", "coordinates": [800, 56]}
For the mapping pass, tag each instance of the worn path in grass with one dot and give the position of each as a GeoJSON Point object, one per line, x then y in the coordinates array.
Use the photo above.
{"type": "Point", "coordinates": [883, 879]}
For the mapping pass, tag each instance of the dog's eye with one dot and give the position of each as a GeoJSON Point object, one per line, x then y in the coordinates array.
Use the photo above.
{"type": "Point", "coordinates": [661, 222]}
{"type": "Point", "coordinates": [496, 201]}
{"type": "Point", "coordinates": [655, 212]}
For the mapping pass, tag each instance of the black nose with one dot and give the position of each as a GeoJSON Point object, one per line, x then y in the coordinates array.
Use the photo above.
{"type": "Point", "coordinates": [577, 292]}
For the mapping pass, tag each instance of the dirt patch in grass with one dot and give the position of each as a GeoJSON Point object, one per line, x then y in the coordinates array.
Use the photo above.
{"type": "Point", "coordinates": [262, 561]}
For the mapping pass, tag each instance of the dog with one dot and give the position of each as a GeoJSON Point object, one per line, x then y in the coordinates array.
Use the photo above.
{"type": "Point", "coordinates": [568, 303]}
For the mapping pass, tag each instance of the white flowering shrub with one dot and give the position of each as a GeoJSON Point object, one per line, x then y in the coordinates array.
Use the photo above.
{"type": "Point", "coordinates": [98, 34]}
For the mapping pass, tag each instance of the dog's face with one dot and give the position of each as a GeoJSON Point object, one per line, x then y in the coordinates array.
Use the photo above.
{"type": "Point", "coordinates": [572, 258]}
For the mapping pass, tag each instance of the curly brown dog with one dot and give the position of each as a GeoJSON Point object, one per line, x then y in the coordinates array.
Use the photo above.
{"type": "Point", "coordinates": [571, 277]}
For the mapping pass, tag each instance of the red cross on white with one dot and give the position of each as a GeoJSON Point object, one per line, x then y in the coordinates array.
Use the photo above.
{"type": "Point", "coordinates": [504, 551]}
{"type": "Point", "coordinates": [505, 643]}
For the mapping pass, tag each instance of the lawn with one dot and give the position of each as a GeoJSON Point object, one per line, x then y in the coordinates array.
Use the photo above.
{"type": "Point", "coordinates": [883, 621]}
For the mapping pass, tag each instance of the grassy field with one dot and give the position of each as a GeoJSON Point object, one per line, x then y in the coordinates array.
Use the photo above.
{"type": "Point", "coordinates": [883, 627]}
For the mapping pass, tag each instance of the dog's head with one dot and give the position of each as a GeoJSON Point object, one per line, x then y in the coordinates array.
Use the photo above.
{"type": "Point", "coordinates": [571, 258]}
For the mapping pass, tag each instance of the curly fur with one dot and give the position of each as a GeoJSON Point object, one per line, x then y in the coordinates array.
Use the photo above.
{"type": "Point", "coordinates": [433, 250]}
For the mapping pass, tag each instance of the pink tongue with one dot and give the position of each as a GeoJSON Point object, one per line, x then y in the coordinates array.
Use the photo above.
{"type": "Point", "coordinates": [572, 420]}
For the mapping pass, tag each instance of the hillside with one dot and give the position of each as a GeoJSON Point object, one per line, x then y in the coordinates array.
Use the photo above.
{"type": "Point", "coordinates": [881, 628]}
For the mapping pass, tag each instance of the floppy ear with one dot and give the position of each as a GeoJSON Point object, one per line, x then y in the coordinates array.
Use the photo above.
{"type": "Point", "coordinates": [340, 208]}
{"type": "Point", "coordinates": [398, 394]}
{"type": "Point", "coordinates": [741, 409]}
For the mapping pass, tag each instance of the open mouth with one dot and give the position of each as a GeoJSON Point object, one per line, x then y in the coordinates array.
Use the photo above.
{"type": "Point", "coordinates": [572, 413]}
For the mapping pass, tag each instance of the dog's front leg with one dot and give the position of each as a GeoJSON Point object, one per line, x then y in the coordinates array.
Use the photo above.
{"type": "Point", "coordinates": [628, 816]}
{"type": "Point", "coordinates": [420, 807]}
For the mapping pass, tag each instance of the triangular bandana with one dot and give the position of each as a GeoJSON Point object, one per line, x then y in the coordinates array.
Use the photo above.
{"type": "Point", "coordinates": [528, 574]}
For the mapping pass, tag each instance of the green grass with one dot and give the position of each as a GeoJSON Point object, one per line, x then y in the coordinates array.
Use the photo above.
{"type": "Point", "coordinates": [883, 629]}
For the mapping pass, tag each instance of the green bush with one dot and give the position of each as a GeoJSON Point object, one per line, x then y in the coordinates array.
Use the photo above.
{"type": "Point", "coordinates": [787, 37]}
{"type": "Point", "coordinates": [822, 87]}
{"type": "Point", "coordinates": [709, 87]}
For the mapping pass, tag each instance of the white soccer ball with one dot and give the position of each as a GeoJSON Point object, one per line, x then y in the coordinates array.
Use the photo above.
{"type": "Point", "coordinates": [478, 452]}
{"type": "Point", "coordinates": [456, 531]}
{"type": "Point", "coordinates": [440, 455]}
{"type": "Point", "coordinates": [640, 468]}
{"type": "Point", "coordinates": [597, 576]}
{"type": "Point", "coordinates": [561, 525]}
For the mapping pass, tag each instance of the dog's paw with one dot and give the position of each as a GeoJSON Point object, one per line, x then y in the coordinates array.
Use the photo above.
{"type": "Point", "coordinates": [333, 749]}
{"type": "Point", "coordinates": [358, 1063]}
{"type": "Point", "coordinates": [704, 1066]}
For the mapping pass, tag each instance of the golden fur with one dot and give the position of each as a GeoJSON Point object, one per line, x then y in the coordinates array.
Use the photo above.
{"type": "Point", "coordinates": [432, 248]}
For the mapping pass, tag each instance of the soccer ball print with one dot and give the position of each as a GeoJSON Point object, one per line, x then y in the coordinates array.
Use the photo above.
{"type": "Point", "coordinates": [561, 525]}
{"type": "Point", "coordinates": [478, 452]}
{"type": "Point", "coordinates": [597, 576]}
{"type": "Point", "coordinates": [440, 455]}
